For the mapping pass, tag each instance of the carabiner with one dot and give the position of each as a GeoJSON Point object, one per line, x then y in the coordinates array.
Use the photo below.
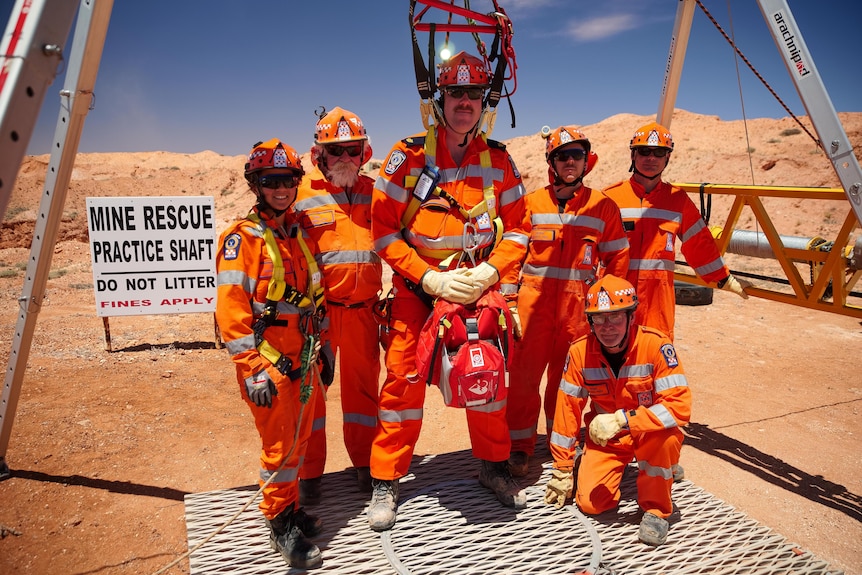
{"type": "Point", "coordinates": [470, 239]}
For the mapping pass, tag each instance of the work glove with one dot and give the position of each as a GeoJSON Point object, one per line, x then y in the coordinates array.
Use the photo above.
{"type": "Point", "coordinates": [449, 286]}
{"type": "Point", "coordinates": [606, 425]}
{"type": "Point", "coordinates": [260, 389]}
{"type": "Point", "coordinates": [327, 365]}
{"type": "Point", "coordinates": [516, 321]}
{"type": "Point", "coordinates": [484, 276]}
{"type": "Point", "coordinates": [737, 286]}
{"type": "Point", "coordinates": [559, 488]}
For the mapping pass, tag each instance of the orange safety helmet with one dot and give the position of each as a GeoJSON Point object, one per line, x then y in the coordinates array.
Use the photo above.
{"type": "Point", "coordinates": [463, 69]}
{"type": "Point", "coordinates": [562, 136]}
{"type": "Point", "coordinates": [610, 294]}
{"type": "Point", "coordinates": [271, 154]}
{"type": "Point", "coordinates": [339, 125]}
{"type": "Point", "coordinates": [652, 135]}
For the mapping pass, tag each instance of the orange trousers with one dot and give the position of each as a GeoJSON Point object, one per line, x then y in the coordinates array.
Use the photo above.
{"type": "Point", "coordinates": [402, 398]}
{"type": "Point", "coordinates": [353, 335]}
{"type": "Point", "coordinates": [284, 429]}
{"type": "Point", "coordinates": [601, 470]}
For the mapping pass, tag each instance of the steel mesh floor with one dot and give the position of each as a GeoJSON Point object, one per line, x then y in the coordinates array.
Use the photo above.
{"type": "Point", "coordinates": [448, 523]}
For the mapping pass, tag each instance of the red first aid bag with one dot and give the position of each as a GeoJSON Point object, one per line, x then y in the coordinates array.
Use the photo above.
{"type": "Point", "coordinates": [464, 350]}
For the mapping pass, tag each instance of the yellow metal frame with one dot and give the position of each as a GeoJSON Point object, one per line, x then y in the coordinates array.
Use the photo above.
{"type": "Point", "coordinates": [830, 265]}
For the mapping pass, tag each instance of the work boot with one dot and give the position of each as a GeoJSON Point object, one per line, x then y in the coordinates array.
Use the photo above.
{"type": "Point", "coordinates": [678, 472]}
{"type": "Point", "coordinates": [519, 463]}
{"type": "Point", "coordinates": [496, 477]}
{"type": "Point", "coordinates": [310, 525]}
{"type": "Point", "coordinates": [309, 491]}
{"type": "Point", "coordinates": [653, 530]}
{"type": "Point", "coordinates": [363, 479]}
{"type": "Point", "coordinates": [384, 502]}
{"type": "Point", "coordinates": [287, 538]}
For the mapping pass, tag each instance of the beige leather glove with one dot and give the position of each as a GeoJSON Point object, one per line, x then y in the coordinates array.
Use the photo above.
{"type": "Point", "coordinates": [484, 275]}
{"type": "Point", "coordinates": [449, 286]}
{"type": "Point", "coordinates": [516, 321]}
{"type": "Point", "coordinates": [606, 425]}
{"type": "Point", "coordinates": [737, 286]}
{"type": "Point", "coordinates": [559, 488]}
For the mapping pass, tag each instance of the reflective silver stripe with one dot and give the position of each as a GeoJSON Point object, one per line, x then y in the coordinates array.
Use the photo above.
{"type": "Point", "coordinates": [390, 416]}
{"type": "Point", "coordinates": [598, 374]}
{"type": "Point", "coordinates": [663, 415]}
{"type": "Point", "coordinates": [573, 390]}
{"type": "Point", "coordinates": [666, 265]}
{"type": "Point", "coordinates": [236, 278]}
{"type": "Point", "coordinates": [558, 273]}
{"type": "Point", "coordinates": [488, 174]}
{"type": "Point", "coordinates": [651, 213]}
{"type": "Point", "coordinates": [445, 242]}
{"type": "Point", "coordinates": [653, 471]}
{"type": "Point", "coordinates": [562, 440]}
{"type": "Point", "coordinates": [318, 424]}
{"type": "Point", "coordinates": [383, 242]}
{"type": "Point", "coordinates": [349, 257]}
{"type": "Point", "coordinates": [696, 227]}
{"type": "Point", "coordinates": [239, 345]}
{"type": "Point", "coordinates": [360, 419]}
{"type": "Point", "coordinates": [638, 370]}
{"type": "Point", "coordinates": [286, 475]}
{"type": "Point", "coordinates": [671, 381]}
{"type": "Point", "coordinates": [712, 266]}
{"type": "Point", "coordinates": [512, 195]}
{"type": "Point", "coordinates": [521, 433]}
{"type": "Point", "coordinates": [508, 289]}
{"type": "Point", "coordinates": [320, 201]}
{"type": "Point", "coordinates": [489, 407]}
{"type": "Point", "coordinates": [392, 190]}
{"type": "Point", "coordinates": [518, 237]}
{"type": "Point", "coordinates": [614, 246]}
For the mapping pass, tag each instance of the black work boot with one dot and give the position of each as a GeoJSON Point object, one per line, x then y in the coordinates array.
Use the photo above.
{"type": "Point", "coordinates": [495, 476]}
{"type": "Point", "coordinates": [288, 539]}
{"type": "Point", "coordinates": [309, 491]}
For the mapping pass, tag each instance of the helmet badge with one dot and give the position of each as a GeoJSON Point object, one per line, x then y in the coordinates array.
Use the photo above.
{"type": "Point", "coordinates": [604, 301]}
{"type": "Point", "coordinates": [653, 140]}
{"type": "Point", "coordinates": [279, 158]}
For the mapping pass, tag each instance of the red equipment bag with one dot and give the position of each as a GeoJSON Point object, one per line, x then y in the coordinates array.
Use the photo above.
{"type": "Point", "coordinates": [464, 350]}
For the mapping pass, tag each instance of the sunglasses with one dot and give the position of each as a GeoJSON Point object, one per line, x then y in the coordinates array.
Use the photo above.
{"type": "Point", "coordinates": [472, 93]}
{"type": "Point", "coordinates": [657, 152]}
{"type": "Point", "coordinates": [274, 182]}
{"type": "Point", "coordinates": [616, 318]}
{"type": "Point", "coordinates": [573, 154]}
{"type": "Point", "coordinates": [336, 150]}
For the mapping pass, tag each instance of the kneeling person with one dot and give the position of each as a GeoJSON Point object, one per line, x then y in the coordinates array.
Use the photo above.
{"type": "Point", "coordinates": [640, 399]}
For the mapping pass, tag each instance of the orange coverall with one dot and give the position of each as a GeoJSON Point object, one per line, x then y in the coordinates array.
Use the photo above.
{"type": "Point", "coordinates": [563, 255]}
{"type": "Point", "coordinates": [653, 390]}
{"type": "Point", "coordinates": [435, 226]}
{"type": "Point", "coordinates": [653, 222]}
{"type": "Point", "coordinates": [340, 224]}
{"type": "Point", "coordinates": [244, 270]}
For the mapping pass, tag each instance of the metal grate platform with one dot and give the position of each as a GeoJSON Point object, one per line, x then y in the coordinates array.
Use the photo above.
{"type": "Point", "coordinates": [448, 523]}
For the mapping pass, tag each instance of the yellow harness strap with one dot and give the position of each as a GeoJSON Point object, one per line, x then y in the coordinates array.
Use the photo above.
{"type": "Point", "coordinates": [487, 205]}
{"type": "Point", "coordinates": [279, 290]}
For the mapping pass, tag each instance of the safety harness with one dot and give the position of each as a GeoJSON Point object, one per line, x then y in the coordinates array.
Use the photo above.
{"type": "Point", "coordinates": [487, 208]}
{"type": "Point", "coordinates": [310, 305]}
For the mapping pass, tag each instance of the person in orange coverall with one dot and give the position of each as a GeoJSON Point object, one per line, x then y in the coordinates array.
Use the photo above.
{"type": "Point", "coordinates": [269, 308]}
{"type": "Point", "coordinates": [483, 205]}
{"type": "Point", "coordinates": [656, 214]}
{"type": "Point", "coordinates": [334, 205]}
{"type": "Point", "coordinates": [575, 229]}
{"type": "Point", "coordinates": [639, 400]}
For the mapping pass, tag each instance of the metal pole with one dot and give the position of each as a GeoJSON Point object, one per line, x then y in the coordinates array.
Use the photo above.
{"type": "Point", "coordinates": [76, 98]}
{"type": "Point", "coordinates": [675, 60]}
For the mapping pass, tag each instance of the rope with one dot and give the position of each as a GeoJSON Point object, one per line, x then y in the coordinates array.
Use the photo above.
{"type": "Point", "coordinates": [756, 73]}
{"type": "Point", "coordinates": [251, 499]}
{"type": "Point", "coordinates": [741, 100]}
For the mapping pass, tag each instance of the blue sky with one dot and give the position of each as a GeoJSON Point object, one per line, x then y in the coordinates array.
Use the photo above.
{"type": "Point", "coordinates": [189, 75]}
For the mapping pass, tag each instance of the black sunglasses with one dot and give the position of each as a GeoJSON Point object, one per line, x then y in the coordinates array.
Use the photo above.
{"type": "Point", "coordinates": [657, 152]}
{"type": "Point", "coordinates": [574, 154]}
{"type": "Point", "coordinates": [336, 150]}
{"type": "Point", "coordinates": [274, 182]}
{"type": "Point", "coordinates": [472, 93]}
